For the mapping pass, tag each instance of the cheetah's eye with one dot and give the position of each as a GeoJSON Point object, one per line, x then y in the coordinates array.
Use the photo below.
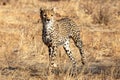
{"type": "Point", "coordinates": [45, 15]}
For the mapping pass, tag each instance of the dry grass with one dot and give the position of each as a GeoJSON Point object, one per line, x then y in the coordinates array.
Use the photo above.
{"type": "Point", "coordinates": [23, 55]}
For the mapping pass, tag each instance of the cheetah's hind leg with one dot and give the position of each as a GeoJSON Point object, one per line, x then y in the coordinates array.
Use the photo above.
{"type": "Point", "coordinates": [79, 44]}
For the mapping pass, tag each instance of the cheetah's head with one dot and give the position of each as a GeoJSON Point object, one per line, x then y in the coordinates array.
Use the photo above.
{"type": "Point", "coordinates": [47, 15]}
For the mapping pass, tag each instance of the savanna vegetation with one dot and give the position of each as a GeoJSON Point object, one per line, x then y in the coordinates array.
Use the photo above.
{"type": "Point", "coordinates": [23, 55]}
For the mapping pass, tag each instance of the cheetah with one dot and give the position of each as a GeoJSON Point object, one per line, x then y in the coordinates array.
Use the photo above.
{"type": "Point", "coordinates": [59, 32]}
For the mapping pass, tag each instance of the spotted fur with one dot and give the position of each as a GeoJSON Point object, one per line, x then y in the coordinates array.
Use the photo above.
{"type": "Point", "coordinates": [59, 32]}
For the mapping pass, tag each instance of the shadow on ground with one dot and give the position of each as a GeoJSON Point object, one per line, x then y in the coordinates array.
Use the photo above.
{"type": "Point", "coordinates": [40, 70]}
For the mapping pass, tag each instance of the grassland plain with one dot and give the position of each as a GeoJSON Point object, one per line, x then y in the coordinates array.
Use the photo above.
{"type": "Point", "coordinates": [23, 55]}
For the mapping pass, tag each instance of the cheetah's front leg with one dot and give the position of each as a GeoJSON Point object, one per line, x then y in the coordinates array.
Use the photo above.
{"type": "Point", "coordinates": [69, 53]}
{"type": "Point", "coordinates": [52, 58]}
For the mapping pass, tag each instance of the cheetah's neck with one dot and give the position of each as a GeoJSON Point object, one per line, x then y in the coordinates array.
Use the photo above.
{"type": "Point", "coordinates": [49, 25]}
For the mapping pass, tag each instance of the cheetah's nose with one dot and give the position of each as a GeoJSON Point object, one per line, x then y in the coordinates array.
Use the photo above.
{"type": "Point", "coordinates": [48, 19]}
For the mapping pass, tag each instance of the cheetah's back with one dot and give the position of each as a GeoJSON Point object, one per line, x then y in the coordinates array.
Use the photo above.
{"type": "Point", "coordinates": [66, 27]}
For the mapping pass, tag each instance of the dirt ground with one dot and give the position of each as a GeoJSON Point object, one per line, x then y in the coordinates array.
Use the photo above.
{"type": "Point", "coordinates": [23, 55]}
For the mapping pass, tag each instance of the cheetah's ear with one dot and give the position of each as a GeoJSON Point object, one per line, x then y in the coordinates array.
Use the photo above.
{"type": "Point", "coordinates": [41, 10]}
{"type": "Point", "coordinates": [54, 9]}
